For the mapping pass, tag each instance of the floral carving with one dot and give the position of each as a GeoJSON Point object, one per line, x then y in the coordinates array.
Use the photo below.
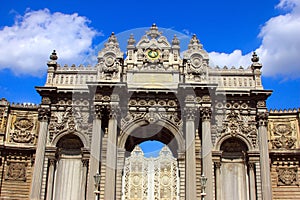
{"type": "Point", "coordinates": [23, 131]}
{"type": "Point", "coordinates": [287, 175]}
{"type": "Point", "coordinates": [283, 137]}
{"type": "Point", "coordinates": [16, 171]}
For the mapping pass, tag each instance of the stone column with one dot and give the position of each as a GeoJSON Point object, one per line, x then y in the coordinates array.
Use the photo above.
{"type": "Point", "coordinates": [264, 156]}
{"type": "Point", "coordinates": [190, 163]}
{"type": "Point", "coordinates": [120, 168]}
{"type": "Point", "coordinates": [50, 182]}
{"type": "Point", "coordinates": [111, 154]}
{"type": "Point", "coordinates": [252, 181]}
{"type": "Point", "coordinates": [218, 179]}
{"type": "Point", "coordinates": [36, 184]}
{"type": "Point", "coordinates": [94, 162]}
{"type": "Point", "coordinates": [83, 178]}
{"type": "Point", "coordinates": [207, 166]}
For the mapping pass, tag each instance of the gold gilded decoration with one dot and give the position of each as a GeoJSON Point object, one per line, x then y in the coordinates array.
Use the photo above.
{"type": "Point", "coordinates": [153, 54]}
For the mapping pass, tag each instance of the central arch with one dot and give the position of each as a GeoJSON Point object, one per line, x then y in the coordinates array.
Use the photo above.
{"type": "Point", "coordinates": [140, 131]}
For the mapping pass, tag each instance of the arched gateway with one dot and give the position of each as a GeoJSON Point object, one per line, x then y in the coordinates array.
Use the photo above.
{"type": "Point", "coordinates": [211, 120]}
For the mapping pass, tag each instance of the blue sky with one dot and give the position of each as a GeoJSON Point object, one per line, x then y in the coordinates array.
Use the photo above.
{"type": "Point", "coordinates": [229, 30]}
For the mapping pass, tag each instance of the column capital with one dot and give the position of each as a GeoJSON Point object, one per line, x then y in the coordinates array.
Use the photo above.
{"type": "Point", "coordinates": [218, 164]}
{"type": "Point", "coordinates": [114, 111]}
{"type": "Point", "coordinates": [98, 110]}
{"type": "Point", "coordinates": [262, 118]}
{"type": "Point", "coordinates": [52, 161]}
{"type": "Point", "coordinates": [85, 162]}
{"type": "Point", "coordinates": [205, 113]}
{"type": "Point", "coordinates": [251, 165]}
{"type": "Point", "coordinates": [190, 113]}
{"type": "Point", "coordinates": [44, 114]}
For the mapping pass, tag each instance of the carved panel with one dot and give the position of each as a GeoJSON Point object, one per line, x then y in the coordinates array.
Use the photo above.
{"type": "Point", "coordinates": [23, 128]}
{"type": "Point", "coordinates": [283, 135]}
{"type": "Point", "coordinates": [16, 171]}
{"type": "Point", "coordinates": [235, 124]}
{"type": "Point", "coordinates": [70, 120]}
{"type": "Point", "coordinates": [287, 175]}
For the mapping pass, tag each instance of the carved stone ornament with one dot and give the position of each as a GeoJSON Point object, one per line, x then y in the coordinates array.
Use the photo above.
{"type": "Point", "coordinates": [69, 121]}
{"type": "Point", "coordinates": [283, 138]}
{"type": "Point", "coordinates": [44, 114]}
{"type": "Point", "coordinates": [23, 131]}
{"type": "Point", "coordinates": [16, 171]}
{"type": "Point", "coordinates": [287, 175]}
{"type": "Point", "coordinates": [235, 124]}
{"type": "Point", "coordinates": [110, 59]}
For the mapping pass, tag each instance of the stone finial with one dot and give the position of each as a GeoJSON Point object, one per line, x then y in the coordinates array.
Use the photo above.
{"type": "Point", "coordinates": [254, 58]}
{"type": "Point", "coordinates": [112, 41]}
{"type": "Point", "coordinates": [153, 32]}
{"type": "Point", "coordinates": [131, 40]}
{"type": "Point", "coordinates": [53, 56]}
{"type": "Point", "coordinates": [175, 41]}
{"type": "Point", "coordinates": [255, 65]}
{"type": "Point", "coordinates": [195, 43]}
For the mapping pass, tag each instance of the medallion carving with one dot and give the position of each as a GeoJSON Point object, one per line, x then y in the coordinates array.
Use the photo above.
{"type": "Point", "coordinates": [287, 175]}
{"type": "Point", "coordinates": [23, 131]}
{"type": "Point", "coordinates": [282, 136]}
{"type": "Point", "coordinates": [16, 171]}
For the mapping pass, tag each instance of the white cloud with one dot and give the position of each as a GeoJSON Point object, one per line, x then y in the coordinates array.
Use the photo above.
{"type": "Point", "coordinates": [280, 48]}
{"type": "Point", "coordinates": [25, 46]}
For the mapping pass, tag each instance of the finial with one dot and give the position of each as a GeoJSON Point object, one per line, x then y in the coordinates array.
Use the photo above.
{"type": "Point", "coordinates": [254, 58]}
{"type": "Point", "coordinates": [53, 56]}
{"type": "Point", "coordinates": [131, 40]}
{"type": "Point", "coordinates": [194, 40]}
{"type": "Point", "coordinates": [175, 41]}
{"type": "Point", "coordinates": [112, 38]}
{"type": "Point", "coordinates": [153, 32]}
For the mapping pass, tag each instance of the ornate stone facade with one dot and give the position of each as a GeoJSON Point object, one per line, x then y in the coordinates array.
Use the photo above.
{"type": "Point", "coordinates": [213, 121]}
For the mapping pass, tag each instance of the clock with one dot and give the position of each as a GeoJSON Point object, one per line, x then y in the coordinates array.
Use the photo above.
{"type": "Point", "coordinates": [153, 54]}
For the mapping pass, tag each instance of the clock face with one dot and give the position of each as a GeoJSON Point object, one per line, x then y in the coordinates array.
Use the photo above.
{"type": "Point", "coordinates": [153, 54]}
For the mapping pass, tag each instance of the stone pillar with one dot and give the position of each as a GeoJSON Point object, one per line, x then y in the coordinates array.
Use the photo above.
{"type": "Point", "coordinates": [120, 168]}
{"type": "Point", "coordinates": [94, 162]}
{"type": "Point", "coordinates": [264, 156]}
{"type": "Point", "coordinates": [218, 179]}
{"type": "Point", "coordinates": [190, 163]}
{"type": "Point", "coordinates": [181, 171]}
{"type": "Point", "coordinates": [36, 184]}
{"type": "Point", "coordinates": [207, 166]}
{"type": "Point", "coordinates": [111, 154]}
{"type": "Point", "coordinates": [83, 178]}
{"type": "Point", "coordinates": [50, 182]}
{"type": "Point", "coordinates": [252, 181]}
